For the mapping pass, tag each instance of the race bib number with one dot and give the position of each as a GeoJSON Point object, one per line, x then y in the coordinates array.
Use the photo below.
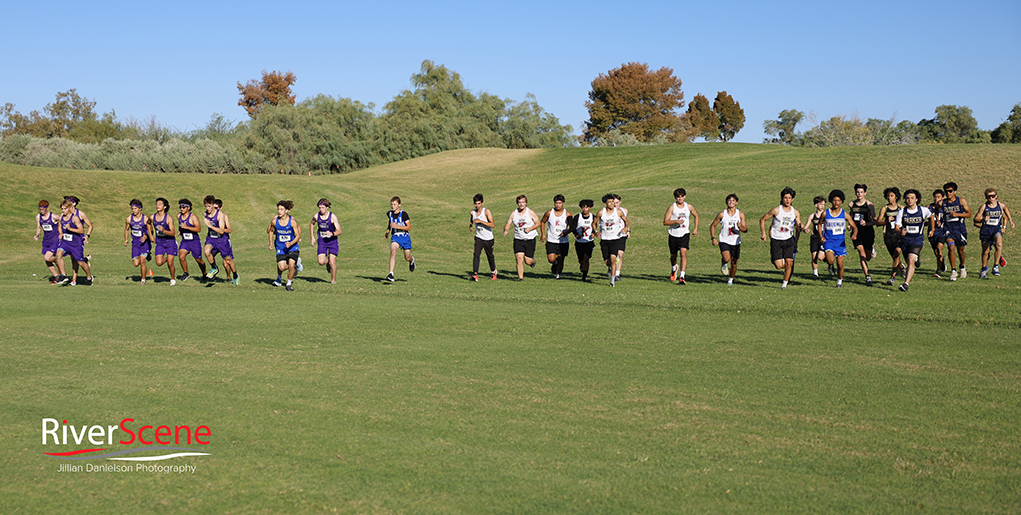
{"type": "Point", "coordinates": [836, 231]}
{"type": "Point", "coordinates": [136, 233]}
{"type": "Point", "coordinates": [993, 222]}
{"type": "Point", "coordinates": [284, 238]}
{"type": "Point", "coordinates": [68, 237]}
{"type": "Point", "coordinates": [857, 217]}
{"type": "Point", "coordinates": [47, 227]}
{"type": "Point", "coordinates": [324, 234]}
{"type": "Point", "coordinates": [914, 229]}
{"type": "Point", "coordinates": [187, 236]}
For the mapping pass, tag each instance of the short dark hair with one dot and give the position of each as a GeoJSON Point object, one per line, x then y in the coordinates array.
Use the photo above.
{"type": "Point", "coordinates": [559, 197]}
{"type": "Point", "coordinates": [837, 194]}
{"type": "Point", "coordinates": [166, 203]}
{"type": "Point", "coordinates": [787, 190]}
{"type": "Point", "coordinates": [918, 195]}
{"type": "Point", "coordinates": [608, 196]}
{"type": "Point", "coordinates": [679, 192]}
{"type": "Point", "coordinates": [218, 203]}
{"type": "Point", "coordinates": [398, 199]}
{"type": "Point", "coordinates": [938, 192]}
{"type": "Point", "coordinates": [950, 185]}
{"type": "Point", "coordinates": [818, 199]}
{"type": "Point", "coordinates": [478, 198]}
{"type": "Point", "coordinates": [732, 195]}
{"type": "Point", "coordinates": [184, 202]}
{"type": "Point", "coordinates": [209, 199]}
{"type": "Point", "coordinates": [323, 202]}
{"type": "Point", "coordinates": [862, 186]}
{"type": "Point", "coordinates": [522, 196]}
{"type": "Point", "coordinates": [896, 192]}
{"type": "Point", "coordinates": [286, 203]}
{"type": "Point", "coordinates": [587, 202]}
{"type": "Point", "coordinates": [135, 202]}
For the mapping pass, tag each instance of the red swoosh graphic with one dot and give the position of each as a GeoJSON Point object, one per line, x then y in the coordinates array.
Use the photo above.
{"type": "Point", "coordinates": [72, 453]}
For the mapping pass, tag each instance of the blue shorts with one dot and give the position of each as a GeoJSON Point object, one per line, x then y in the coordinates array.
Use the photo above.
{"type": "Point", "coordinates": [835, 244]}
{"type": "Point", "coordinates": [957, 235]}
{"type": "Point", "coordinates": [402, 239]}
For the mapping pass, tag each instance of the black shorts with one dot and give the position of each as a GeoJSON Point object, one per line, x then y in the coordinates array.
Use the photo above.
{"type": "Point", "coordinates": [679, 242]}
{"type": "Point", "coordinates": [560, 249]}
{"type": "Point", "coordinates": [815, 245]}
{"type": "Point", "coordinates": [958, 234]}
{"type": "Point", "coordinates": [910, 248]}
{"type": "Point", "coordinates": [290, 256]}
{"type": "Point", "coordinates": [611, 247]}
{"type": "Point", "coordinates": [584, 249]}
{"type": "Point", "coordinates": [892, 240]}
{"type": "Point", "coordinates": [866, 238]}
{"type": "Point", "coordinates": [527, 247]}
{"type": "Point", "coordinates": [735, 250]}
{"type": "Point", "coordinates": [782, 249]}
{"type": "Point", "coordinates": [623, 243]}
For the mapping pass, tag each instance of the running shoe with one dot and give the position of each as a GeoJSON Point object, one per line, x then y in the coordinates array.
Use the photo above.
{"type": "Point", "coordinates": [996, 270]}
{"type": "Point", "coordinates": [557, 277]}
{"type": "Point", "coordinates": [493, 277]}
{"type": "Point", "coordinates": [62, 280]}
{"type": "Point", "coordinates": [173, 282]}
{"type": "Point", "coordinates": [937, 274]}
{"type": "Point", "coordinates": [390, 277]}
{"type": "Point", "coordinates": [840, 284]}
{"type": "Point", "coordinates": [903, 287]}
{"type": "Point", "coordinates": [300, 267]}
{"type": "Point", "coordinates": [730, 281]}
{"type": "Point", "coordinates": [783, 286]}
{"type": "Point", "coordinates": [833, 271]}
{"type": "Point", "coordinates": [236, 279]}
{"type": "Point", "coordinates": [681, 281]}
{"type": "Point", "coordinates": [953, 275]}
{"type": "Point", "coordinates": [88, 281]}
{"type": "Point", "coordinates": [616, 278]}
{"type": "Point", "coordinates": [411, 266]}
{"type": "Point", "coordinates": [53, 280]}
{"type": "Point", "coordinates": [185, 277]}
{"type": "Point", "coordinates": [964, 272]}
{"type": "Point", "coordinates": [1003, 262]}
{"type": "Point", "coordinates": [72, 283]}
{"type": "Point", "coordinates": [142, 282]}
{"type": "Point", "coordinates": [289, 287]}
{"type": "Point", "coordinates": [868, 280]}
{"type": "Point", "coordinates": [982, 274]}
{"type": "Point", "coordinates": [725, 269]}
{"type": "Point", "coordinates": [277, 283]}
{"type": "Point", "coordinates": [612, 281]}
{"type": "Point", "coordinates": [475, 277]}
{"type": "Point", "coordinates": [890, 281]}
{"type": "Point", "coordinates": [212, 273]}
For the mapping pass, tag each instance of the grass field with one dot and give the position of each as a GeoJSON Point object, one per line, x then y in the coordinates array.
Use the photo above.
{"type": "Point", "coordinates": [440, 395]}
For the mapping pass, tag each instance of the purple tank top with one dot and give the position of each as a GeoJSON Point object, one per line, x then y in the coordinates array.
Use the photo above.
{"type": "Point", "coordinates": [215, 223]}
{"type": "Point", "coordinates": [138, 229]}
{"type": "Point", "coordinates": [160, 226]}
{"type": "Point", "coordinates": [326, 226]}
{"type": "Point", "coordinates": [73, 238]}
{"type": "Point", "coordinates": [49, 225]}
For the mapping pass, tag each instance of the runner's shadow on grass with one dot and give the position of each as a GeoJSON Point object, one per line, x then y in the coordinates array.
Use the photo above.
{"type": "Point", "coordinates": [263, 280]}
{"type": "Point", "coordinates": [381, 280]}
{"type": "Point", "coordinates": [311, 279]}
{"type": "Point", "coordinates": [466, 276]}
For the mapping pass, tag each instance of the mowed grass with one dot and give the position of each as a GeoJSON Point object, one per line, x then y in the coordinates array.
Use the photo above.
{"type": "Point", "coordinates": [439, 395]}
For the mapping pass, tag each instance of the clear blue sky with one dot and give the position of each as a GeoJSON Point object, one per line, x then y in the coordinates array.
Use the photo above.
{"type": "Point", "coordinates": [181, 61]}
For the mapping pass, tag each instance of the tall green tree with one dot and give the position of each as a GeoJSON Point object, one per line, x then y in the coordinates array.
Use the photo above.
{"type": "Point", "coordinates": [635, 100]}
{"type": "Point", "coordinates": [731, 115]}
{"type": "Point", "coordinates": [952, 124]}
{"type": "Point", "coordinates": [703, 119]}
{"type": "Point", "coordinates": [68, 110]}
{"type": "Point", "coordinates": [1010, 130]}
{"type": "Point", "coordinates": [783, 128]}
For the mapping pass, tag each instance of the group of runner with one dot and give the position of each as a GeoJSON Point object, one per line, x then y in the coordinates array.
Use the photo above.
{"type": "Point", "coordinates": [943, 223]}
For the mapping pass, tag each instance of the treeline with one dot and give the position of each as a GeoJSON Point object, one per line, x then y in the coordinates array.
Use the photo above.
{"type": "Point", "coordinates": [320, 134]}
{"type": "Point", "coordinates": [951, 124]}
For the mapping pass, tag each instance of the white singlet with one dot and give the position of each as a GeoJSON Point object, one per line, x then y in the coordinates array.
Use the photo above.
{"type": "Point", "coordinates": [783, 225]}
{"type": "Point", "coordinates": [521, 221]}
{"type": "Point", "coordinates": [730, 233]}
{"type": "Point", "coordinates": [681, 217]}
{"type": "Point", "coordinates": [583, 232]}
{"type": "Point", "coordinates": [610, 224]}
{"type": "Point", "coordinates": [482, 232]}
{"type": "Point", "coordinates": [555, 227]}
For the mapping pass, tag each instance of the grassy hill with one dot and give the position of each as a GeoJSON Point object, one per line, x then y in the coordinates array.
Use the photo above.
{"type": "Point", "coordinates": [436, 394]}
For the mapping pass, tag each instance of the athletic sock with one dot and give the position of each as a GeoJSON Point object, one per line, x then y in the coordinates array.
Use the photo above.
{"type": "Point", "coordinates": [682, 274]}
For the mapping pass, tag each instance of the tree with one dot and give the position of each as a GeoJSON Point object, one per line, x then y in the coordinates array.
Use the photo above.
{"type": "Point", "coordinates": [952, 124]}
{"type": "Point", "coordinates": [637, 101]}
{"type": "Point", "coordinates": [1010, 130]}
{"type": "Point", "coordinates": [783, 127]}
{"type": "Point", "coordinates": [67, 111]}
{"type": "Point", "coordinates": [730, 113]}
{"type": "Point", "coordinates": [703, 119]}
{"type": "Point", "coordinates": [273, 89]}
{"type": "Point", "coordinates": [527, 125]}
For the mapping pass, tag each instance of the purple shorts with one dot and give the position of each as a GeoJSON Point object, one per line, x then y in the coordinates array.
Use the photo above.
{"type": "Point", "coordinates": [77, 252]}
{"type": "Point", "coordinates": [329, 247]}
{"type": "Point", "coordinates": [165, 246]}
{"type": "Point", "coordinates": [50, 247]}
{"type": "Point", "coordinates": [221, 245]}
{"type": "Point", "coordinates": [192, 246]}
{"type": "Point", "coordinates": [140, 248]}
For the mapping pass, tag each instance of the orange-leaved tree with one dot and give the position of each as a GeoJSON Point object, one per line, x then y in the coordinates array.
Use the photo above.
{"type": "Point", "coordinates": [635, 100]}
{"type": "Point", "coordinates": [273, 89]}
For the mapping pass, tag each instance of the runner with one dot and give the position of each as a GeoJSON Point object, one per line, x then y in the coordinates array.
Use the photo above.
{"type": "Point", "coordinates": [863, 212]}
{"type": "Point", "coordinates": [553, 228]}
{"type": "Point", "coordinates": [831, 232]}
{"type": "Point", "coordinates": [623, 237]}
{"type": "Point", "coordinates": [47, 224]}
{"type": "Point", "coordinates": [812, 226]}
{"type": "Point", "coordinates": [678, 219]}
{"type": "Point", "coordinates": [911, 224]}
{"type": "Point", "coordinates": [166, 242]}
{"type": "Point", "coordinates": [397, 230]}
{"type": "Point", "coordinates": [990, 218]}
{"type": "Point", "coordinates": [188, 223]}
{"type": "Point", "coordinates": [326, 227]}
{"type": "Point", "coordinates": [218, 239]}
{"type": "Point", "coordinates": [71, 230]}
{"type": "Point", "coordinates": [611, 224]}
{"type": "Point", "coordinates": [138, 234]}
{"type": "Point", "coordinates": [782, 245]}
{"type": "Point", "coordinates": [284, 238]}
{"type": "Point", "coordinates": [584, 237]}
{"type": "Point", "coordinates": [732, 223]}
{"type": "Point", "coordinates": [938, 240]}
{"type": "Point", "coordinates": [526, 224]}
{"type": "Point", "coordinates": [891, 235]}
{"type": "Point", "coordinates": [955, 210]}
{"type": "Point", "coordinates": [84, 218]}
{"type": "Point", "coordinates": [481, 220]}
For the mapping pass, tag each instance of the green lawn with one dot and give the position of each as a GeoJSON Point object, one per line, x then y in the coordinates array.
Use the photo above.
{"type": "Point", "coordinates": [439, 395]}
